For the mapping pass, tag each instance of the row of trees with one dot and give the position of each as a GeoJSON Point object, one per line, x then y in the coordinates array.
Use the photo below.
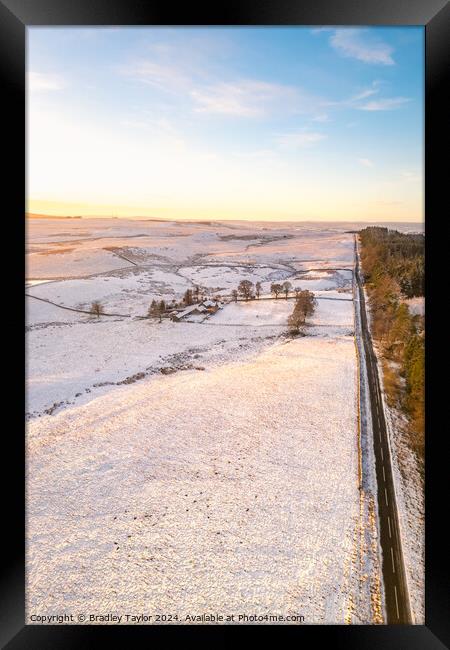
{"type": "Point", "coordinates": [305, 305]}
{"type": "Point", "coordinates": [249, 291]}
{"type": "Point", "coordinates": [400, 333]}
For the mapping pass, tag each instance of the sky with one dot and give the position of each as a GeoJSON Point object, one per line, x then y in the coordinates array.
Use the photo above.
{"type": "Point", "coordinates": [279, 124]}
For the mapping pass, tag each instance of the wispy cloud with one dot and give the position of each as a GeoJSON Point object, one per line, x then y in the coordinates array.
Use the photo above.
{"type": "Point", "coordinates": [388, 104]}
{"type": "Point", "coordinates": [299, 139]}
{"type": "Point", "coordinates": [209, 93]}
{"type": "Point", "coordinates": [358, 102]}
{"type": "Point", "coordinates": [164, 77]}
{"type": "Point", "coordinates": [42, 82]}
{"type": "Point", "coordinates": [373, 89]}
{"type": "Point", "coordinates": [355, 44]}
{"type": "Point", "coordinates": [365, 162]}
{"type": "Point", "coordinates": [247, 98]}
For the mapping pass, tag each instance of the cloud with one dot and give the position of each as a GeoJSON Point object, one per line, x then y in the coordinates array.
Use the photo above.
{"type": "Point", "coordinates": [352, 44]}
{"type": "Point", "coordinates": [365, 162]}
{"type": "Point", "coordinates": [161, 76]}
{"type": "Point", "coordinates": [299, 139]}
{"type": "Point", "coordinates": [357, 101]}
{"type": "Point", "coordinates": [367, 92]}
{"type": "Point", "coordinates": [245, 98]}
{"type": "Point", "coordinates": [42, 82]}
{"type": "Point", "coordinates": [388, 104]}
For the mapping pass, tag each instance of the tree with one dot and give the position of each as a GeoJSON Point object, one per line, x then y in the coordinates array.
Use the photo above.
{"type": "Point", "coordinates": [157, 309]}
{"type": "Point", "coordinates": [276, 289]}
{"type": "Point", "coordinates": [295, 321]}
{"type": "Point", "coordinates": [287, 286]}
{"type": "Point", "coordinates": [246, 289]}
{"type": "Point", "coordinates": [304, 306]}
{"type": "Point", "coordinates": [187, 298]}
{"type": "Point", "coordinates": [196, 293]}
{"type": "Point", "coordinates": [234, 294]}
{"type": "Point", "coordinates": [258, 288]}
{"type": "Point", "coordinates": [297, 291]}
{"type": "Point", "coordinates": [97, 308]}
{"type": "Point", "coordinates": [153, 310]}
{"type": "Point", "coordinates": [306, 303]}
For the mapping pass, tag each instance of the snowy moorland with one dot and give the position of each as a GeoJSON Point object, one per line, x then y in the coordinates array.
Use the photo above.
{"type": "Point", "coordinates": [206, 465]}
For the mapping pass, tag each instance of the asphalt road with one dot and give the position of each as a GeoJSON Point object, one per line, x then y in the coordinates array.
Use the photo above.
{"type": "Point", "coordinates": [396, 591]}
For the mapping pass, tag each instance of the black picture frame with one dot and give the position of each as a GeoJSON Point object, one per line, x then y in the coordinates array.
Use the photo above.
{"type": "Point", "coordinates": [15, 16]}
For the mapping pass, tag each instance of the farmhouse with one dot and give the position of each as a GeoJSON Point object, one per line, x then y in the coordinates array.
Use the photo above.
{"type": "Point", "coordinates": [192, 310]}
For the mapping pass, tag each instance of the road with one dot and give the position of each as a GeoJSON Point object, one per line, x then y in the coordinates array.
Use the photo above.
{"type": "Point", "coordinates": [395, 586]}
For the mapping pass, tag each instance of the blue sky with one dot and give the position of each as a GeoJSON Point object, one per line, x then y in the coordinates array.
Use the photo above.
{"type": "Point", "coordinates": [257, 123]}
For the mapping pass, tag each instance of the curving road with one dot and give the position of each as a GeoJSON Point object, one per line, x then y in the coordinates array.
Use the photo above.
{"type": "Point", "coordinates": [395, 586]}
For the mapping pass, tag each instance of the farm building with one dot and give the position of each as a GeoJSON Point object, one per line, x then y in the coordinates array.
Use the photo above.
{"type": "Point", "coordinates": [212, 305]}
{"type": "Point", "coordinates": [192, 310]}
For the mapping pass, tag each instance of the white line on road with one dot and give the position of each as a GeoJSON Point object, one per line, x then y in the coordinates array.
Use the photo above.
{"type": "Point", "coordinates": [382, 455]}
{"type": "Point", "coordinates": [385, 496]}
{"type": "Point", "coordinates": [396, 601]}
{"type": "Point", "coordinates": [384, 475]}
{"type": "Point", "coordinates": [392, 558]}
{"type": "Point", "coordinates": [389, 526]}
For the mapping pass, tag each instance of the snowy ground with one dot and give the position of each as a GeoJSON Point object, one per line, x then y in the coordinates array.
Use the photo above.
{"type": "Point", "coordinates": [242, 500]}
{"type": "Point", "coordinates": [180, 468]}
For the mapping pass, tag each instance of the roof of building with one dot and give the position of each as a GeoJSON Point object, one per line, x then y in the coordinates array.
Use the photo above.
{"type": "Point", "coordinates": [212, 303]}
{"type": "Point", "coordinates": [191, 309]}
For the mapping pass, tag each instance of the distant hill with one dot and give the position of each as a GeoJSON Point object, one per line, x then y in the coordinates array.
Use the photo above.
{"type": "Point", "coordinates": [32, 215]}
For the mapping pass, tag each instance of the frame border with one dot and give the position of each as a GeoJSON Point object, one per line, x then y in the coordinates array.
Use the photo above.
{"type": "Point", "coordinates": [15, 16]}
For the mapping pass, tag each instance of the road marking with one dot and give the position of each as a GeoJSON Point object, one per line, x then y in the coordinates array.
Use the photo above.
{"type": "Point", "coordinates": [392, 558]}
{"type": "Point", "coordinates": [389, 526]}
{"type": "Point", "coordinates": [382, 455]}
{"type": "Point", "coordinates": [396, 601]}
{"type": "Point", "coordinates": [385, 496]}
{"type": "Point", "coordinates": [384, 475]}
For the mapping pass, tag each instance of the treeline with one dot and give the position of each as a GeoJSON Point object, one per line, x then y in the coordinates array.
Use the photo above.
{"type": "Point", "coordinates": [400, 255]}
{"type": "Point", "coordinates": [393, 267]}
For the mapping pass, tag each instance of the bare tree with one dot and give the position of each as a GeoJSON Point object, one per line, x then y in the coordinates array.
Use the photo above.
{"type": "Point", "coordinates": [187, 298]}
{"type": "Point", "coordinates": [306, 302]}
{"type": "Point", "coordinates": [246, 289]}
{"type": "Point", "coordinates": [276, 289]}
{"type": "Point", "coordinates": [295, 321]}
{"type": "Point", "coordinates": [97, 308]}
{"type": "Point", "coordinates": [287, 286]}
{"type": "Point", "coordinates": [197, 293]}
{"type": "Point", "coordinates": [297, 291]}
{"type": "Point", "coordinates": [305, 305]}
{"type": "Point", "coordinates": [258, 287]}
{"type": "Point", "coordinates": [234, 294]}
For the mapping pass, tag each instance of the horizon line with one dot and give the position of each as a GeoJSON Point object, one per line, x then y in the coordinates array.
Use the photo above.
{"type": "Point", "coordinates": [38, 215]}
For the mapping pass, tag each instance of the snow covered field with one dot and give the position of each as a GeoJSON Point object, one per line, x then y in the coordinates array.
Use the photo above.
{"type": "Point", "coordinates": [243, 499]}
{"type": "Point", "coordinates": [181, 468]}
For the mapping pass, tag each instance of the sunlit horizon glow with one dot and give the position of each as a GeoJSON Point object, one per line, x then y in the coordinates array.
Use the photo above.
{"type": "Point", "coordinates": [265, 124]}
